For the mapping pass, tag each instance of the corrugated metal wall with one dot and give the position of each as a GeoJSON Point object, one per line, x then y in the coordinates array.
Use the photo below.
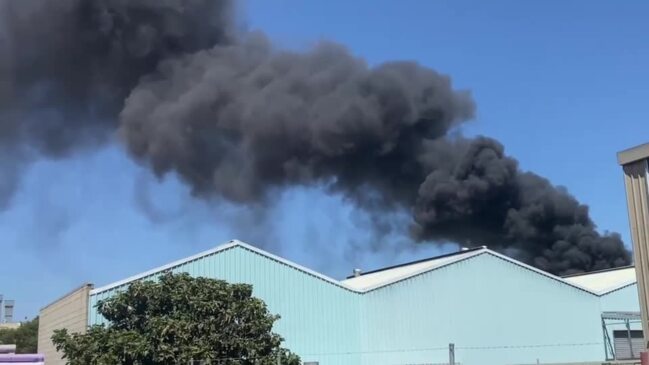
{"type": "Point", "coordinates": [324, 318]}
{"type": "Point", "coordinates": [622, 300]}
{"type": "Point", "coordinates": [494, 311]}
{"type": "Point", "coordinates": [636, 181]}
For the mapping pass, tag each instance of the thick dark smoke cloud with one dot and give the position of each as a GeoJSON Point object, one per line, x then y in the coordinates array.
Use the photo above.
{"type": "Point", "coordinates": [66, 67]}
{"type": "Point", "coordinates": [244, 118]}
{"type": "Point", "coordinates": [240, 119]}
{"type": "Point", "coordinates": [477, 195]}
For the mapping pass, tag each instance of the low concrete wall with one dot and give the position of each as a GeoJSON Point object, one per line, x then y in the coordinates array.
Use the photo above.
{"type": "Point", "coordinates": [11, 326]}
{"type": "Point", "coordinates": [71, 312]}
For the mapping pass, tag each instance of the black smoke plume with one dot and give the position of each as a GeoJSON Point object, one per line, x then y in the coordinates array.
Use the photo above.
{"type": "Point", "coordinates": [67, 66]}
{"type": "Point", "coordinates": [235, 117]}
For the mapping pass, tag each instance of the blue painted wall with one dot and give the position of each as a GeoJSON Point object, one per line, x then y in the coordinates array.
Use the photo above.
{"type": "Point", "coordinates": [622, 300]}
{"type": "Point", "coordinates": [318, 317]}
{"type": "Point", "coordinates": [496, 312]}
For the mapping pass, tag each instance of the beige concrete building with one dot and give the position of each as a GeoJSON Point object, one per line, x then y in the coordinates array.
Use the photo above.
{"type": "Point", "coordinates": [71, 312]}
{"type": "Point", "coordinates": [635, 163]}
{"type": "Point", "coordinates": [12, 325]}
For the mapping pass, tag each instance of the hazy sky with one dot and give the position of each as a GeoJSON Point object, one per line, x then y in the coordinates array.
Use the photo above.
{"type": "Point", "coordinates": [563, 84]}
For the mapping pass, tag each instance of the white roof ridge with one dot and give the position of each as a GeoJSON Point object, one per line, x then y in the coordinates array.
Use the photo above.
{"type": "Point", "coordinates": [293, 265]}
{"type": "Point", "coordinates": [219, 248]}
{"type": "Point", "coordinates": [230, 244]}
{"type": "Point", "coordinates": [493, 253]}
{"type": "Point", "coordinates": [452, 260]}
{"type": "Point", "coordinates": [541, 272]}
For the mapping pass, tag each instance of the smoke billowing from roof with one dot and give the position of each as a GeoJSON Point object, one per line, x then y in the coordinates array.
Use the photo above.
{"type": "Point", "coordinates": [238, 118]}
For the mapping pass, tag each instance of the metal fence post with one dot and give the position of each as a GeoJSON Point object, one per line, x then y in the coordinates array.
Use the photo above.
{"type": "Point", "coordinates": [628, 335]}
{"type": "Point", "coordinates": [451, 354]}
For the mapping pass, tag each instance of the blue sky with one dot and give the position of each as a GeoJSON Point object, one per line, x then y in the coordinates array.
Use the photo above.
{"type": "Point", "coordinates": [562, 84]}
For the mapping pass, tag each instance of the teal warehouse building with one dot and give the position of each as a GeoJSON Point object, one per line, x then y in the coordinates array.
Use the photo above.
{"type": "Point", "coordinates": [493, 309]}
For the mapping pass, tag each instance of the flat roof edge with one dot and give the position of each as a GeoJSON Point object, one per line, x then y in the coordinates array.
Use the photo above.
{"type": "Point", "coordinates": [633, 154]}
{"type": "Point", "coordinates": [90, 286]}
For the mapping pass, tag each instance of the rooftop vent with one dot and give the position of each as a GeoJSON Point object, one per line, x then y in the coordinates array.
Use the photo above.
{"type": "Point", "coordinates": [357, 273]}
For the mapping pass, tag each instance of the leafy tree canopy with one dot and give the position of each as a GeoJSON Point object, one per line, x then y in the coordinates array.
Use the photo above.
{"type": "Point", "coordinates": [175, 320]}
{"type": "Point", "coordinates": [24, 337]}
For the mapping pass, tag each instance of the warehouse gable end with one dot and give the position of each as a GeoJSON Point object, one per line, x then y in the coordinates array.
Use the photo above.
{"type": "Point", "coordinates": [219, 249]}
{"type": "Point", "coordinates": [319, 314]}
{"type": "Point", "coordinates": [378, 279]}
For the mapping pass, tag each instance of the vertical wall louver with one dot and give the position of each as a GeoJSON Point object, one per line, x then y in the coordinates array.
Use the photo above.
{"type": "Point", "coordinates": [636, 168]}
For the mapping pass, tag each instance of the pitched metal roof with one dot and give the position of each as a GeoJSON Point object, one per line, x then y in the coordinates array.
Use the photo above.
{"type": "Point", "coordinates": [598, 283]}
{"type": "Point", "coordinates": [231, 244]}
{"type": "Point", "coordinates": [382, 277]}
{"type": "Point", "coordinates": [605, 281]}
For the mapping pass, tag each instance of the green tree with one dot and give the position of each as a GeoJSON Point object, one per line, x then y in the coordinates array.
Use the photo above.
{"type": "Point", "coordinates": [175, 320]}
{"type": "Point", "coordinates": [24, 337]}
{"type": "Point", "coordinates": [7, 336]}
